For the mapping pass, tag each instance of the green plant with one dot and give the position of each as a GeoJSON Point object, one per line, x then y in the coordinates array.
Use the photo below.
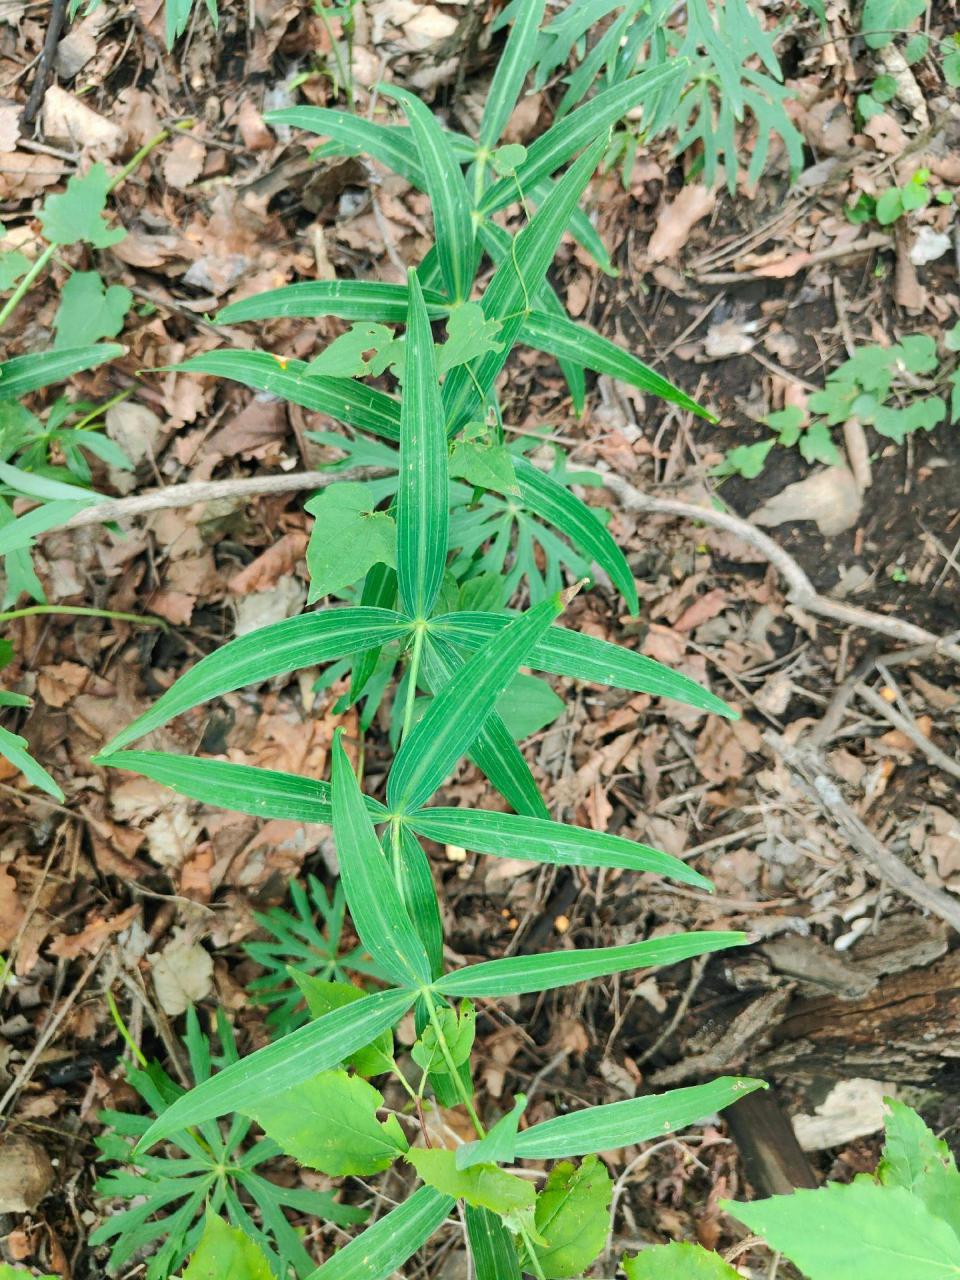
{"type": "Point", "coordinates": [887, 388]}
{"type": "Point", "coordinates": [904, 1219]}
{"type": "Point", "coordinates": [214, 1172]}
{"type": "Point", "coordinates": [298, 942]}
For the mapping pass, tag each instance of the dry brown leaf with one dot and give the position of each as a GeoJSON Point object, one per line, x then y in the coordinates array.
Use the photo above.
{"type": "Point", "coordinates": [184, 162]}
{"type": "Point", "coordinates": [677, 219]}
{"type": "Point", "coordinates": [783, 268]}
{"type": "Point", "coordinates": [254, 132]}
{"type": "Point", "coordinates": [9, 127]}
{"type": "Point", "coordinates": [90, 939]}
{"type": "Point", "coordinates": [703, 608]}
{"type": "Point", "coordinates": [172, 606]}
{"type": "Point", "coordinates": [886, 134]}
{"type": "Point", "coordinates": [69, 121]}
{"type": "Point", "coordinates": [278, 559]}
{"type": "Point", "coordinates": [60, 683]}
{"type": "Point", "coordinates": [11, 908]}
{"type": "Point", "coordinates": [830, 497]}
{"type": "Point", "coordinates": [26, 1174]}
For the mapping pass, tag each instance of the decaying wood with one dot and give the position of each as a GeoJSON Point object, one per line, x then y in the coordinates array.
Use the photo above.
{"type": "Point", "coordinates": [773, 1160]}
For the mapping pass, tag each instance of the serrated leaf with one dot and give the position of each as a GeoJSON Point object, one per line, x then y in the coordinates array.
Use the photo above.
{"type": "Point", "coordinates": [573, 1217]}
{"type": "Point", "coordinates": [470, 335]}
{"type": "Point", "coordinates": [918, 352]}
{"type": "Point", "coordinates": [13, 265]}
{"type": "Point", "coordinates": [483, 1186]}
{"type": "Point", "coordinates": [679, 1261]}
{"type": "Point", "coordinates": [621, 1124]}
{"type": "Point", "coordinates": [816, 445]}
{"type": "Point", "coordinates": [90, 310]}
{"type": "Point", "coordinates": [382, 1248]}
{"type": "Point", "coordinates": [510, 835]}
{"type": "Point", "coordinates": [348, 537]}
{"type": "Point", "coordinates": [226, 1253]}
{"type": "Point", "coordinates": [915, 1159]}
{"type": "Point", "coordinates": [379, 915]}
{"type": "Point", "coordinates": [423, 500]}
{"type": "Point", "coordinates": [882, 20]}
{"type": "Point", "coordinates": [270, 651]}
{"type": "Point", "coordinates": [43, 368]}
{"type": "Point", "coordinates": [499, 1145]}
{"type": "Point", "coordinates": [520, 975]}
{"type": "Point", "coordinates": [330, 1123]}
{"type": "Point", "coordinates": [316, 1047]}
{"type": "Point", "coordinates": [457, 713]}
{"type": "Point", "coordinates": [323, 997]}
{"type": "Point", "coordinates": [746, 460]}
{"type": "Point", "coordinates": [77, 214]}
{"type": "Point", "coordinates": [485, 466]}
{"type": "Point", "coordinates": [845, 1232]}
{"type": "Point", "coordinates": [459, 1029]}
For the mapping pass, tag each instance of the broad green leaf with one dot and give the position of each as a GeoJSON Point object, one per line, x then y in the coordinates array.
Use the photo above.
{"type": "Point", "coordinates": [572, 517]}
{"type": "Point", "coordinates": [264, 793]}
{"type": "Point", "coordinates": [21, 532]}
{"type": "Point", "coordinates": [485, 466]}
{"type": "Point", "coordinates": [494, 750]}
{"type": "Point", "coordinates": [323, 997]}
{"type": "Point", "coordinates": [342, 398]}
{"type": "Point", "coordinates": [459, 1030]}
{"type": "Point", "coordinates": [226, 1253]}
{"type": "Point", "coordinates": [469, 336]}
{"type": "Point", "coordinates": [581, 657]}
{"type": "Point", "coordinates": [271, 651]}
{"type": "Point", "coordinates": [580, 128]}
{"type": "Point", "coordinates": [90, 310]}
{"type": "Point", "coordinates": [512, 67]}
{"type": "Point", "coordinates": [515, 283]}
{"type": "Point", "coordinates": [318, 1046]}
{"type": "Point", "coordinates": [519, 975]}
{"type": "Point", "coordinates": [563, 338]}
{"type": "Point", "coordinates": [423, 501]}
{"type": "Point", "coordinates": [415, 882]}
{"type": "Point", "coordinates": [27, 373]}
{"type": "Point", "coordinates": [679, 1261]}
{"type": "Point", "coordinates": [16, 750]}
{"type": "Point", "coordinates": [77, 214]}
{"type": "Point", "coordinates": [348, 537]}
{"type": "Point", "coordinates": [453, 223]}
{"type": "Point", "coordinates": [883, 20]}
{"type": "Point", "coordinates": [621, 1124]}
{"type": "Point", "coordinates": [378, 912]}
{"type": "Point", "coordinates": [499, 1145]}
{"type": "Point", "coordinates": [483, 1186]}
{"type": "Point", "coordinates": [914, 1158]}
{"type": "Point", "coordinates": [529, 705]}
{"type": "Point", "coordinates": [847, 1232]}
{"type": "Point", "coordinates": [457, 713]}
{"type": "Point", "coordinates": [345, 357]}
{"type": "Point", "coordinates": [491, 1246]}
{"type": "Point", "coordinates": [573, 1217]}
{"type": "Point", "coordinates": [13, 265]}
{"type": "Point", "coordinates": [329, 1122]}
{"type": "Point", "coordinates": [377, 1252]}
{"type": "Point", "coordinates": [510, 835]}
{"type": "Point", "coordinates": [348, 299]}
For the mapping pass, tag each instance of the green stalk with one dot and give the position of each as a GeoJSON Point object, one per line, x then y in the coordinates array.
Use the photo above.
{"type": "Point", "coordinates": [78, 611]}
{"type": "Point", "coordinates": [23, 287]}
{"type": "Point", "coordinates": [124, 1030]}
{"type": "Point", "coordinates": [102, 408]}
{"type": "Point", "coordinates": [413, 673]}
{"type": "Point", "coordinates": [454, 1072]}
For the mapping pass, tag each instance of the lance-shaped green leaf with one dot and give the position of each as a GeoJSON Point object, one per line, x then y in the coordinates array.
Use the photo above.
{"type": "Point", "coordinates": [41, 368]}
{"type": "Point", "coordinates": [512, 67]}
{"type": "Point", "coordinates": [415, 881]}
{"type": "Point", "coordinates": [33, 486]}
{"type": "Point", "coordinates": [509, 295]}
{"type": "Point", "coordinates": [349, 299]}
{"type": "Point", "coordinates": [447, 191]}
{"type": "Point", "coordinates": [377, 910]}
{"type": "Point", "coordinates": [520, 975]}
{"type": "Point", "coordinates": [494, 750]}
{"type": "Point", "coordinates": [21, 532]}
{"type": "Point", "coordinates": [582, 230]}
{"type": "Point", "coordinates": [380, 591]}
{"type": "Point", "coordinates": [16, 749]}
{"type": "Point", "coordinates": [621, 1124]}
{"type": "Point", "coordinates": [329, 1123]}
{"type": "Point", "coordinates": [565, 511]}
{"type": "Point", "coordinates": [423, 496]}
{"type": "Point", "coordinates": [261, 655]}
{"type": "Point", "coordinates": [581, 657]}
{"type": "Point", "coordinates": [264, 793]}
{"type": "Point", "coordinates": [499, 1144]}
{"type": "Point", "coordinates": [580, 127]}
{"type": "Point", "coordinates": [342, 398]}
{"type": "Point", "coordinates": [390, 145]}
{"type": "Point", "coordinates": [491, 1246]}
{"type": "Point", "coordinates": [457, 713]}
{"type": "Point", "coordinates": [561, 337]}
{"type": "Point", "coordinates": [323, 997]}
{"type": "Point", "coordinates": [511, 835]}
{"type": "Point", "coordinates": [377, 1252]}
{"type": "Point", "coordinates": [318, 1046]}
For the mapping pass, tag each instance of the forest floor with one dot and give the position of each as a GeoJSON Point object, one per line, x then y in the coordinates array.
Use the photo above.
{"type": "Point", "coordinates": [849, 989]}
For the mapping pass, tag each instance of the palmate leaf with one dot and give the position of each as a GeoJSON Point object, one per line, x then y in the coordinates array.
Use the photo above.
{"type": "Point", "coordinates": [348, 299]}
{"type": "Point", "coordinates": [563, 652]}
{"type": "Point", "coordinates": [621, 1124]}
{"type": "Point", "coordinates": [378, 912]}
{"type": "Point", "coordinates": [510, 835]}
{"type": "Point", "coordinates": [448, 194]}
{"type": "Point", "coordinates": [521, 975]}
{"type": "Point", "coordinates": [382, 1248]}
{"type": "Point", "coordinates": [270, 651]}
{"type": "Point", "coordinates": [41, 369]}
{"type": "Point", "coordinates": [423, 499]}
{"type": "Point", "coordinates": [322, 1044]}
{"type": "Point", "coordinates": [458, 711]}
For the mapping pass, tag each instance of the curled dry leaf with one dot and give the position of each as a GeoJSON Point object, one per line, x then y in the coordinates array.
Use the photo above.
{"type": "Point", "coordinates": [182, 974]}
{"type": "Point", "coordinates": [89, 940]}
{"type": "Point", "coordinates": [277, 560]}
{"type": "Point", "coordinates": [677, 219]}
{"type": "Point", "coordinates": [830, 497]}
{"type": "Point", "coordinates": [184, 162]}
{"type": "Point", "coordinates": [69, 121]}
{"type": "Point", "coordinates": [26, 1174]}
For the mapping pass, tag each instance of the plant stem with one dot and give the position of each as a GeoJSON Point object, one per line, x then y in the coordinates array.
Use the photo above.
{"type": "Point", "coordinates": [23, 287]}
{"type": "Point", "coordinates": [138, 158]}
{"type": "Point", "coordinates": [345, 76]}
{"type": "Point", "coordinates": [80, 612]}
{"type": "Point", "coordinates": [102, 408]}
{"type": "Point", "coordinates": [413, 671]}
{"type": "Point", "coordinates": [124, 1030]}
{"type": "Point", "coordinates": [454, 1071]}
{"type": "Point", "coordinates": [531, 1259]}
